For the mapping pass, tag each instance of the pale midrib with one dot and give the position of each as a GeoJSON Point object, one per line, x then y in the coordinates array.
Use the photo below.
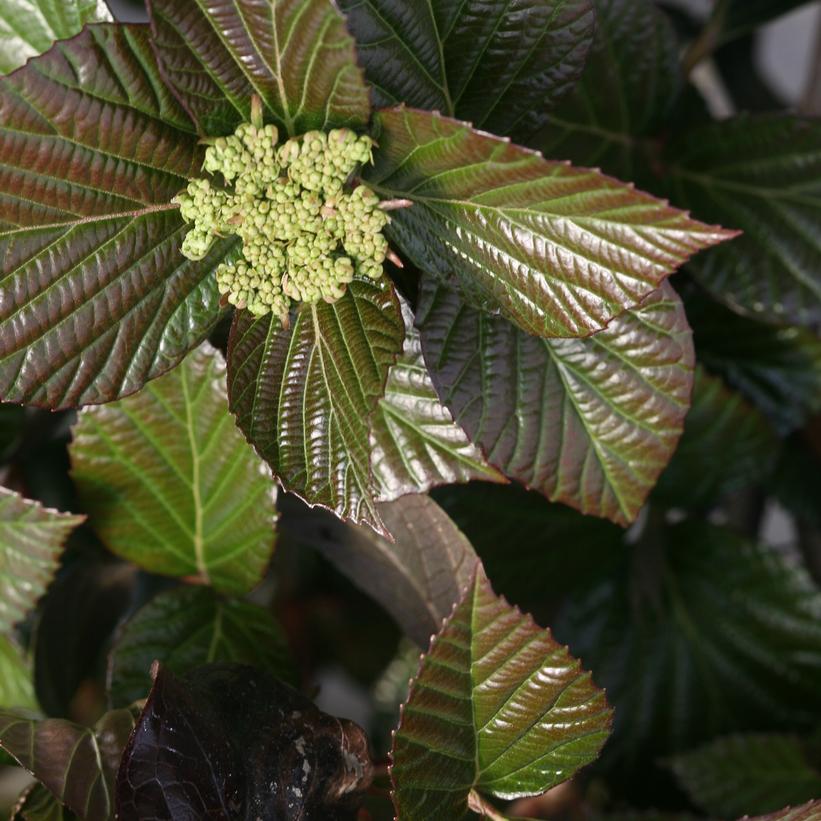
{"type": "Point", "coordinates": [199, 545]}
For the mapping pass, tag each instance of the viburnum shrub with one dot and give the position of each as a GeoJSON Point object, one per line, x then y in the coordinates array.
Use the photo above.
{"type": "Point", "coordinates": [362, 279]}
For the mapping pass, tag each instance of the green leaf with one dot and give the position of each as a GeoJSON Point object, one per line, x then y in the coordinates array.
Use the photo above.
{"type": "Point", "coordinates": [597, 419]}
{"type": "Point", "coordinates": [188, 627]}
{"type": "Point", "coordinates": [497, 706]}
{"type": "Point", "coordinates": [16, 687]}
{"type": "Point", "coordinates": [806, 812]}
{"type": "Point", "coordinates": [417, 578]}
{"type": "Point", "coordinates": [38, 804]}
{"type": "Point", "coordinates": [97, 298]}
{"type": "Point", "coordinates": [778, 368]}
{"type": "Point", "coordinates": [29, 27]}
{"type": "Point", "coordinates": [744, 16]}
{"type": "Point", "coordinates": [761, 174]}
{"type": "Point", "coordinates": [304, 396]}
{"type": "Point", "coordinates": [743, 774]}
{"type": "Point", "coordinates": [296, 55]}
{"type": "Point", "coordinates": [557, 250]}
{"type": "Point", "coordinates": [698, 633]}
{"type": "Point", "coordinates": [31, 541]}
{"type": "Point", "coordinates": [170, 484]}
{"type": "Point", "coordinates": [415, 444]}
{"type": "Point", "coordinates": [727, 445]}
{"type": "Point", "coordinates": [629, 85]}
{"type": "Point", "coordinates": [77, 764]}
{"type": "Point", "coordinates": [496, 65]}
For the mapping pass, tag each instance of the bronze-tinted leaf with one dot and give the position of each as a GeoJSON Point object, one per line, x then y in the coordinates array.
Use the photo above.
{"type": "Point", "coordinates": [295, 54]}
{"type": "Point", "coordinates": [96, 296]}
{"type": "Point", "coordinates": [304, 396]}
{"type": "Point", "coordinates": [557, 250]}
{"type": "Point", "coordinates": [589, 422]}
{"type": "Point", "coordinates": [497, 706]}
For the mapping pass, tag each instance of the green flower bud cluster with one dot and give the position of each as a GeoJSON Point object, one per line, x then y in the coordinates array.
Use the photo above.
{"type": "Point", "coordinates": [305, 236]}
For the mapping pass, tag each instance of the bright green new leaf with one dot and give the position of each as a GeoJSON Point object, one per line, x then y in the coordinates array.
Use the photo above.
{"type": "Point", "coordinates": [31, 541]}
{"type": "Point", "coordinates": [559, 251]}
{"type": "Point", "coordinates": [171, 485]}
{"type": "Point", "coordinates": [29, 27]}
{"type": "Point", "coordinates": [498, 706]}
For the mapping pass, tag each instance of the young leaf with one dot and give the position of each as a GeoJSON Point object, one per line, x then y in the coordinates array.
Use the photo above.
{"type": "Point", "coordinates": [417, 579]}
{"type": "Point", "coordinates": [304, 396]}
{"type": "Point", "coordinates": [777, 368]}
{"type": "Point", "coordinates": [29, 27]}
{"type": "Point", "coordinates": [77, 764]}
{"type": "Point", "coordinates": [699, 633]}
{"type": "Point", "coordinates": [187, 628]}
{"type": "Point", "coordinates": [761, 174]}
{"type": "Point", "coordinates": [16, 688]}
{"type": "Point", "coordinates": [38, 804]}
{"type": "Point", "coordinates": [557, 250]}
{"type": "Point", "coordinates": [97, 298]}
{"type": "Point", "coordinates": [170, 484]}
{"type": "Point", "coordinates": [743, 774]}
{"type": "Point", "coordinates": [498, 706]}
{"type": "Point", "coordinates": [296, 55]}
{"type": "Point", "coordinates": [229, 742]}
{"type": "Point", "coordinates": [31, 540]}
{"type": "Point", "coordinates": [629, 84]}
{"type": "Point", "coordinates": [727, 445]}
{"type": "Point", "coordinates": [415, 444]}
{"type": "Point", "coordinates": [496, 65]}
{"type": "Point", "coordinates": [596, 419]}
{"type": "Point", "coordinates": [806, 812]}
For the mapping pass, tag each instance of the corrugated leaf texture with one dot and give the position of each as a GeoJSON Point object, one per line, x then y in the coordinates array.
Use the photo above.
{"type": "Point", "coordinates": [629, 84]}
{"type": "Point", "coordinates": [498, 706]}
{"type": "Point", "coordinates": [31, 541]}
{"type": "Point", "coordinates": [186, 628]}
{"type": "Point", "coordinates": [761, 174]}
{"type": "Point", "coordinates": [95, 297]}
{"type": "Point", "coordinates": [499, 65]}
{"type": "Point", "coordinates": [746, 774]}
{"type": "Point", "coordinates": [171, 485]}
{"type": "Point", "coordinates": [304, 396]}
{"type": "Point", "coordinates": [557, 250]}
{"type": "Point", "coordinates": [588, 422]}
{"type": "Point", "coordinates": [415, 444]}
{"type": "Point", "coordinates": [29, 27]}
{"type": "Point", "coordinates": [296, 55]}
{"type": "Point", "coordinates": [77, 764]}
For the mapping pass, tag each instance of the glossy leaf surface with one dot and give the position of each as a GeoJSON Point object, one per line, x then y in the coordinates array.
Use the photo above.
{"type": "Point", "coordinates": [736, 626]}
{"type": "Point", "coordinates": [629, 84]}
{"type": "Point", "coordinates": [29, 27]}
{"type": "Point", "coordinates": [727, 445]}
{"type": "Point", "coordinates": [170, 484]}
{"type": "Point", "coordinates": [497, 706]}
{"type": "Point", "coordinates": [296, 55]}
{"type": "Point", "coordinates": [96, 296]}
{"type": "Point", "coordinates": [418, 578]}
{"type": "Point", "coordinates": [498, 65]}
{"type": "Point", "coordinates": [16, 688]}
{"type": "Point", "coordinates": [77, 764]}
{"type": "Point", "coordinates": [557, 250]}
{"type": "Point", "coordinates": [31, 541]}
{"type": "Point", "coordinates": [589, 422]}
{"type": "Point", "coordinates": [304, 396]}
{"type": "Point", "coordinates": [187, 628]}
{"type": "Point", "coordinates": [761, 175]}
{"type": "Point", "coordinates": [747, 774]}
{"type": "Point", "coordinates": [232, 744]}
{"type": "Point", "coordinates": [415, 444]}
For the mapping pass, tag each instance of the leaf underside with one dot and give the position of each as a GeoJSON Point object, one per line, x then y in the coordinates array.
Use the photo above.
{"type": "Point", "coordinates": [497, 706]}
{"type": "Point", "coordinates": [171, 485]}
{"type": "Point", "coordinates": [559, 251]}
{"type": "Point", "coordinates": [304, 396]}
{"type": "Point", "coordinates": [588, 422]}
